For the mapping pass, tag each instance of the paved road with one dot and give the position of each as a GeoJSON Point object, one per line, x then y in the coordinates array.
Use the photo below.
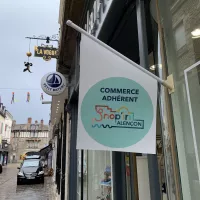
{"type": "Point", "coordinates": [9, 190]}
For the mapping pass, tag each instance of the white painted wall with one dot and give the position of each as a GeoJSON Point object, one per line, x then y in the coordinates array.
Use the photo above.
{"type": "Point", "coordinates": [2, 123]}
{"type": "Point", "coordinates": [7, 127]}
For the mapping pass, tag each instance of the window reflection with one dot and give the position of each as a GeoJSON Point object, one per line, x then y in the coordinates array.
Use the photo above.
{"type": "Point", "coordinates": [99, 175]}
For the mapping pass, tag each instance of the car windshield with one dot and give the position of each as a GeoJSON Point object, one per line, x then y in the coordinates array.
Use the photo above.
{"type": "Point", "coordinates": [31, 163]}
{"type": "Point", "coordinates": [32, 157]}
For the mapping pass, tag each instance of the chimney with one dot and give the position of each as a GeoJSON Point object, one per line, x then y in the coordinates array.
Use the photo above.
{"type": "Point", "coordinates": [13, 123]}
{"type": "Point", "coordinates": [29, 120]}
{"type": "Point", "coordinates": [36, 121]}
{"type": "Point", "coordinates": [42, 122]}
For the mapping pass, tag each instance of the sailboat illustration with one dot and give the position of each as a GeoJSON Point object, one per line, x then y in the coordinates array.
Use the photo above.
{"type": "Point", "coordinates": [54, 80]}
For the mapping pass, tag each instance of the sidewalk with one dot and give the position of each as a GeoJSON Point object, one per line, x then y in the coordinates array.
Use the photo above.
{"type": "Point", "coordinates": [52, 187]}
{"type": "Point", "coordinates": [55, 194]}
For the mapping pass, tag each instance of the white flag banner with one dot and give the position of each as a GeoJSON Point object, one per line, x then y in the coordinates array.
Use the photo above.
{"type": "Point", "coordinates": [117, 103]}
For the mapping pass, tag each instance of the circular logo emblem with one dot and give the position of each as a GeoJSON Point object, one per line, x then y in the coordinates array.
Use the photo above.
{"type": "Point", "coordinates": [53, 83]}
{"type": "Point", "coordinates": [117, 112]}
{"type": "Point", "coordinates": [54, 80]}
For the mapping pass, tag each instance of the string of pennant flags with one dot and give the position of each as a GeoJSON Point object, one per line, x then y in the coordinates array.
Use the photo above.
{"type": "Point", "coordinates": [28, 97]}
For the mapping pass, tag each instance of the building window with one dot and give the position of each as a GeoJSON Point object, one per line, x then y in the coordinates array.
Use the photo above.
{"type": "Point", "coordinates": [179, 33]}
{"type": "Point", "coordinates": [33, 144]}
{"type": "Point", "coordinates": [1, 128]}
{"type": "Point", "coordinates": [36, 134]}
{"type": "Point", "coordinates": [36, 144]}
{"type": "Point", "coordinates": [32, 134]}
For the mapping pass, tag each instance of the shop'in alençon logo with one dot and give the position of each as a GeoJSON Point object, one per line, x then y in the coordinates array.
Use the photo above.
{"type": "Point", "coordinates": [120, 118]}
{"type": "Point", "coordinates": [46, 52]}
{"type": "Point", "coordinates": [107, 117]}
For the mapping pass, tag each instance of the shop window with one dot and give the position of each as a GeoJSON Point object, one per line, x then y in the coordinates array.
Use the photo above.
{"type": "Point", "coordinates": [99, 175]}
{"type": "Point", "coordinates": [196, 45]}
{"type": "Point", "coordinates": [33, 144]}
{"type": "Point", "coordinates": [179, 33]}
{"type": "Point", "coordinates": [185, 100]}
{"type": "Point", "coordinates": [79, 175]}
{"type": "Point", "coordinates": [128, 174]}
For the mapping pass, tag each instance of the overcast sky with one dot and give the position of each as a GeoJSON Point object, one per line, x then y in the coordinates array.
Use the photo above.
{"type": "Point", "coordinates": [19, 19]}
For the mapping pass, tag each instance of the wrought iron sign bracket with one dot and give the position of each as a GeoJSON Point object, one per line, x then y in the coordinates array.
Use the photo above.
{"type": "Point", "coordinates": [170, 82]}
{"type": "Point", "coordinates": [46, 38]}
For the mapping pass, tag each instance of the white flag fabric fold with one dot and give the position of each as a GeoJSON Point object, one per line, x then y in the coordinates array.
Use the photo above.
{"type": "Point", "coordinates": [117, 103]}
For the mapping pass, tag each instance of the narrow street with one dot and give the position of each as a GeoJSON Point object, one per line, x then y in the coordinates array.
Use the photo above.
{"type": "Point", "coordinates": [9, 190]}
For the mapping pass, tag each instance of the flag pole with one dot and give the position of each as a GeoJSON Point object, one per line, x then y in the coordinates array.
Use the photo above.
{"type": "Point", "coordinates": [167, 83]}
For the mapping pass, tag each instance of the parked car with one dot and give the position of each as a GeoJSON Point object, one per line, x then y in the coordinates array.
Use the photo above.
{"type": "Point", "coordinates": [32, 157]}
{"type": "Point", "coordinates": [30, 170]}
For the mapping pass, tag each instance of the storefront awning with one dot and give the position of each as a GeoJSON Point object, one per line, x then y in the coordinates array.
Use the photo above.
{"type": "Point", "coordinates": [3, 150]}
{"type": "Point", "coordinates": [44, 151]}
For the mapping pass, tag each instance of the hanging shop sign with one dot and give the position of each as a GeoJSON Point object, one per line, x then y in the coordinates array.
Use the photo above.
{"type": "Point", "coordinates": [53, 83]}
{"type": "Point", "coordinates": [117, 103]}
{"type": "Point", "coordinates": [46, 52]}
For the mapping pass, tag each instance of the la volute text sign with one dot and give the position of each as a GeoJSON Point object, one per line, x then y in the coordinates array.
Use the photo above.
{"type": "Point", "coordinates": [45, 52]}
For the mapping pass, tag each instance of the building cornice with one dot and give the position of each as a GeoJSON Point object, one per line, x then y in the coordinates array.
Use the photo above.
{"type": "Point", "coordinates": [73, 10]}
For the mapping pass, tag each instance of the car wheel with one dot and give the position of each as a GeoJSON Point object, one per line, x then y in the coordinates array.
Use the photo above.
{"type": "Point", "coordinates": [19, 182]}
{"type": "Point", "coordinates": [42, 180]}
{"type": "Point", "coordinates": [1, 168]}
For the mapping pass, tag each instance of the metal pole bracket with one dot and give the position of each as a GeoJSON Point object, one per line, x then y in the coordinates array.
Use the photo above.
{"type": "Point", "coordinates": [170, 82]}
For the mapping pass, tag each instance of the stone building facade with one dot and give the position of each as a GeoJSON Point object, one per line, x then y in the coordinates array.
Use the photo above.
{"type": "Point", "coordinates": [27, 138]}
